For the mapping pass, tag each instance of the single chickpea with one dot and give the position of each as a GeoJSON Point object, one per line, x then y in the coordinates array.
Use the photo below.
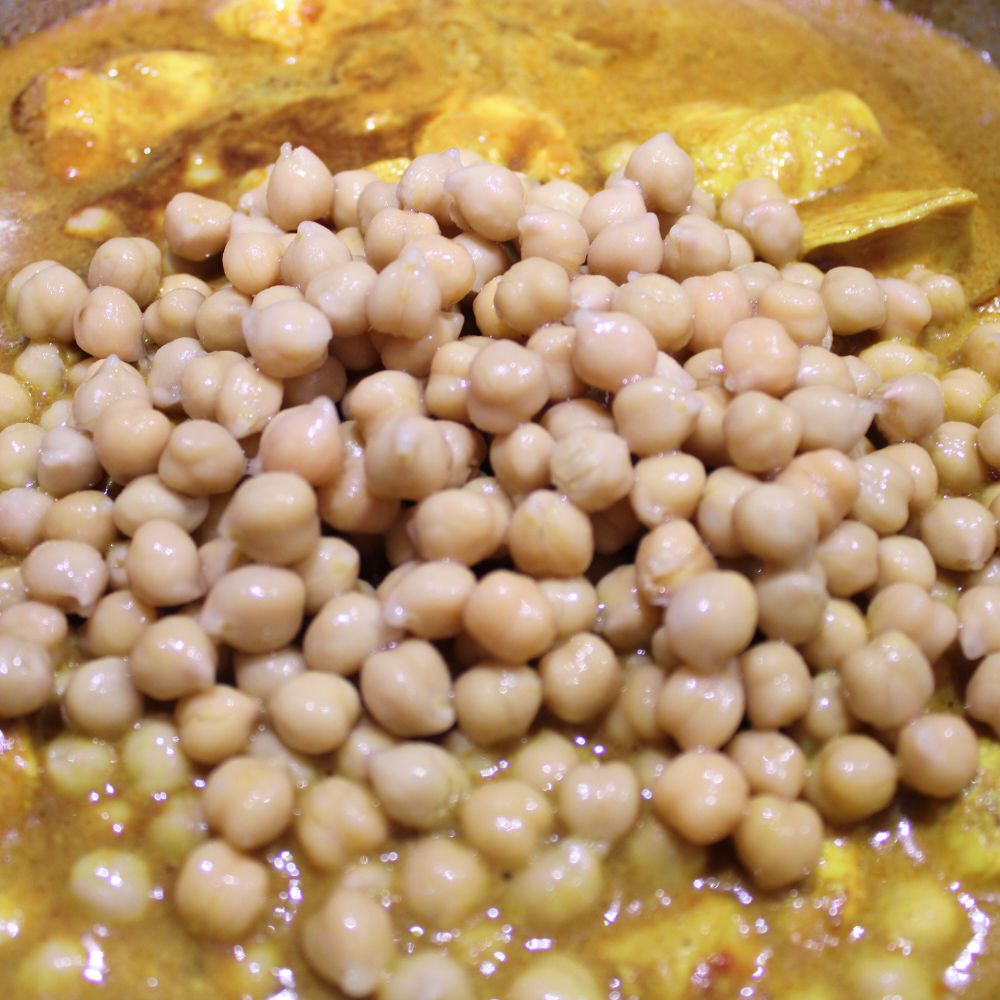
{"type": "Point", "coordinates": [938, 754]}
{"type": "Point", "coordinates": [259, 675]}
{"type": "Point", "coordinates": [46, 301]}
{"type": "Point", "coordinates": [130, 263]}
{"type": "Point", "coordinates": [695, 245]}
{"type": "Point", "coordinates": [162, 565]}
{"type": "Point", "coordinates": [828, 479]}
{"type": "Point", "coordinates": [655, 415]}
{"type": "Point", "coordinates": [982, 695]}
{"type": "Point", "coordinates": [196, 228]}
{"type": "Point", "coordinates": [960, 533]}
{"type": "Point", "coordinates": [701, 795]}
{"type": "Point", "coordinates": [760, 433]}
{"type": "Point", "coordinates": [69, 575]}
{"type": "Point", "coordinates": [345, 631]}
{"type": "Point", "coordinates": [778, 685]}
{"type": "Point", "coordinates": [775, 524]}
{"type": "Point", "coordinates": [550, 536]}
{"type": "Point", "coordinates": [593, 468]}
{"type": "Point", "coordinates": [849, 556]}
{"type": "Point", "coordinates": [612, 349]}
{"type": "Point", "coordinates": [854, 300]}
{"type": "Point", "coordinates": [408, 689]}
{"type": "Point", "coordinates": [774, 230]}
{"type": "Point", "coordinates": [666, 487]}
{"type": "Point", "coordinates": [249, 801]}
{"type": "Point", "coordinates": [719, 301]}
{"type": "Point", "coordinates": [106, 382]}
{"type": "Point", "coordinates": [23, 511]}
{"type": "Point", "coordinates": [701, 710]}
{"type": "Point", "coordinates": [664, 173]}
{"type": "Point", "coordinates": [580, 678]}
{"type": "Point", "coordinates": [462, 525]}
{"type": "Point", "coordinates": [912, 406]}
{"type": "Point", "coordinates": [791, 601]}
{"type": "Point", "coordinates": [661, 305]}
{"type": "Point", "coordinates": [219, 892]}
{"type": "Point", "coordinates": [314, 711]}
{"type": "Point", "coordinates": [759, 355]}
{"type": "Point", "coordinates": [922, 470]}
{"type": "Point", "coordinates": [554, 345]}
{"type": "Point", "coordinates": [778, 842]}
{"type": "Point", "coordinates": [624, 617]}
{"type": "Point", "coordinates": [885, 493]}
{"type": "Point", "coordinates": [890, 359]}
{"type": "Point", "coordinates": [820, 367]}
{"type": "Point", "coordinates": [25, 676]}
{"type": "Point", "coordinates": [981, 350]}
{"type": "Point", "coordinates": [553, 235]}
{"type": "Point", "coordinates": [620, 201]}
{"type": "Point", "coordinates": [419, 785]}
{"type": "Point", "coordinates": [287, 339]}
{"type": "Point", "coordinates": [772, 763]}
{"type": "Point", "coordinates": [798, 308]}
{"type": "Point", "coordinates": [101, 699]}
{"type": "Point", "coordinates": [112, 885]}
{"type": "Point", "coordinates": [496, 702]}
{"type": "Point", "coordinates": [531, 293]}
{"type": "Point", "coordinates": [488, 200]}
{"type": "Point", "coordinates": [84, 516]}
{"type": "Point", "coordinates": [669, 555]}
{"type": "Point", "coordinates": [960, 467]}
{"type": "Point", "coordinates": [173, 657]}
{"type": "Point", "coordinates": [35, 622]}
{"type": "Point", "coordinates": [216, 724]}
{"type": "Point", "coordinates": [300, 187]}
{"type": "Point", "coordinates": [442, 882]}
{"type": "Point", "coordinates": [218, 322]}
{"type": "Point", "coordinates": [508, 384]}
{"type": "Point", "coordinates": [508, 615]}
{"type": "Point", "coordinates": [406, 458]}
{"type": "Point", "coordinates": [853, 777]}
{"type": "Point", "coordinates": [109, 322]}
{"type": "Point", "coordinates": [147, 498]}
{"type": "Point", "coordinates": [966, 394]}
{"type": "Point", "coordinates": [173, 315]}
{"type": "Point", "coordinates": [576, 414]}
{"type": "Point", "coordinates": [831, 418]}
{"type": "Point", "coordinates": [67, 462]}
{"type": "Point", "coordinates": [554, 976]}
{"type": "Point", "coordinates": [599, 801]}
{"type": "Point", "coordinates": [627, 246]}
{"type": "Point", "coordinates": [562, 883]}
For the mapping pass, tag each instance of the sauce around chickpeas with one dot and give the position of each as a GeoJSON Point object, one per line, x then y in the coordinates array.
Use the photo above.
{"type": "Point", "coordinates": [466, 551]}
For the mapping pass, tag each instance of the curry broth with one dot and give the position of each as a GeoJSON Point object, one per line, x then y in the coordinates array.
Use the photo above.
{"type": "Point", "coordinates": [679, 923]}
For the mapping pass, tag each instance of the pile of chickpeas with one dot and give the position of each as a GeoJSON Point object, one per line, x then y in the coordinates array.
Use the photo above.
{"type": "Point", "coordinates": [436, 482]}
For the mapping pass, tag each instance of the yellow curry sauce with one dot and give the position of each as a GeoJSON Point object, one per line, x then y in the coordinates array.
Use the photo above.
{"type": "Point", "coordinates": [361, 82]}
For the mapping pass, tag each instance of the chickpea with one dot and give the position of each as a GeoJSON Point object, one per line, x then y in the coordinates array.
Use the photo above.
{"type": "Point", "coordinates": [576, 414]}
{"type": "Point", "coordinates": [960, 534]}
{"type": "Point", "coordinates": [67, 462]}
{"type": "Point", "coordinates": [554, 977]}
{"type": "Point", "coordinates": [612, 349]}
{"type": "Point", "coordinates": [625, 618]}
{"type": "Point", "coordinates": [508, 384]}
{"type": "Point", "coordinates": [107, 382]}
{"type": "Point", "coordinates": [108, 322]}
{"type": "Point", "coordinates": [828, 480]}
{"type": "Point", "coordinates": [695, 245]}
{"type": "Point", "coordinates": [798, 308]}
{"type": "Point", "coordinates": [904, 560]}
{"type": "Point", "coordinates": [249, 801]}
{"type": "Point", "coordinates": [629, 245]}
{"type": "Point", "coordinates": [260, 674]}
{"type": "Point", "coordinates": [820, 367]}
{"type": "Point", "coordinates": [36, 623]}
{"type": "Point", "coordinates": [592, 467]}
{"type": "Point", "coordinates": [46, 301]}
{"type": "Point", "coordinates": [562, 882]}
{"type": "Point", "coordinates": [779, 842]}
{"type": "Point", "coordinates": [162, 565]}
{"type": "Point", "coordinates": [507, 614]}
{"type": "Point", "coordinates": [701, 710]}
{"type": "Point", "coordinates": [664, 173]}
{"type": "Point", "coordinates": [921, 469]}
{"type": "Point", "coordinates": [853, 777]}
{"type": "Point", "coordinates": [218, 321]}
{"type": "Point", "coordinates": [654, 415]}
{"type": "Point", "coordinates": [442, 882]}
{"type": "Point", "coordinates": [23, 511]}
{"type": "Point", "coordinates": [129, 439]}
{"type": "Point", "coordinates": [791, 601]}
{"type": "Point", "coordinates": [167, 371]}
{"type": "Point", "coordinates": [661, 305]}
{"type": "Point", "coordinates": [418, 784]}
{"type": "Point", "coordinates": [668, 556]}
{"type": "Point", "coordinates": [154, 763]}
{"type": "Point", "coordinates": [580, 678]}
{"type": "Point", "coordinates": [775, 524]}
{"type": "Point", "coordinates": [113, 885]}
{"type": "Point", "coordinates": [174, 315]}
{"type": "Point", "coordinates": [772, 763]}
{"type": "Point", "coordinates": [84, 516]}
{"type": "Point", "coordinates": [719, 301]}
{"type": "Point", "coordinates": [25, 676]}
{"type": "Point", "coordinates": [831, 418]}
{"type": "Point", "coordinates": [255, 608]}
{"type": "Point", "coordinates": [69, 575]}
{"type": "Point", "coordinates": [666, 487]}
{"type": "Point", "coordinates": [854, 300]}
{"type": "Point", "coordinates": [408, 689]}
{"type": "Point", "coordinates": [760, 433]}
{"type": "Point", "coordinates": [148, 499]}
{"type": "Point", "coordinates": [314, 711]}
{"type": "Point", "coordinates": [981, 350]}
{"type": "Point", "coordinates": [220, 893]}
{"type": "Point", "coordinates": [129, 263]}
{"type": "Point", "coordinates": [619, 201]}
{"type": "Point", "coordinates": [196, 228]}
{"type": "Point", "coordinates": [553, 235]}
{"type": "Point", "coordinates": [599, 801]}
{"type": "Point", "coordinates": [532, 293]}
{"type": "Point", "coordinates": [849, 556]}
{"type": "Point", "coordinates": [494, 702]}
{"type": "Point", "coordinates": [344, 632]}
{"type": "Point", "coordinates": [173, 657]}
{"type": "Point", "coordinates": [701, 795]}
{"type": "Point", "coordinates": [338, 821]}
{"type": "Point", "coordinates": [461, 525]}
{"type": "Point", "coordinates": [938, 754]}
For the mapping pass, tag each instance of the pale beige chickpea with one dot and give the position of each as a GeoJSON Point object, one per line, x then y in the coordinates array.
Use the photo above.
{"type": "Point", "coordinates": [580, 678]}
{"type": "Point", "coordinates": [315, 250]}
{"type": "Point", "coordinates": [553, 977]}
{"type": "Point", "coordinates": [828, 716]}
{"type": "Point", "coordinates": [84, 516]}
{"type": "Point", "coordinates": [260, 674]}
{"type": "Point", "coordinates": [849, 556]}
{"type": "Point", "coordinates": [576, 414]}
{"type": "Point", "coordinates": [904, 560]}
{"type": "Point", "coordinates": [347, 188]}
{"type": "Point", "coordinates": [220, 893]}
{"type": "Point", "coordinates": [532, 293]}
{"type": "Point", "coordinates": [664, 173]}
{"type": "Point", "coordinates": [612, 349]}
{"type": "Point", "coordinates": [885, 492]}
{"type": "Point", "coordinates": [173, 315]}
{"type": "Point", "coordinates": [908, 608]}
{"type": "Point", "coordinates": [162, 565]}
{"type": "Point", "coordinates": [701, 710]}
{"type": "Point", "coordinates": [866, 379]}
{"type": "Point", "coordinates": [760, 433]}
{"type": "Point", "coordinates": [314, 711]}
{"type": "Point", "coordinates": [710, 618]}
{"type": "Point", "coordinates": [407, 689]}
{"type": "Point", "coordinates": [338, 820]}
{"type": "Point", "coordinates": [12, 588]}
{"type": "Point", "coordinates": [627, 246]}
{"type": "Point", "coordinates": [201, 458]}
{"type": "Point", "coordinates": [167, 370]}
{"type": "Point", "coordinates": [988, 441]}
{"type": "Point", "coordinates": [255, 608]}
{"type": "Point", "coordinates": [218, 322]}
{"type": "Point", "coordinates": [374, 196]}
{"type": "Point", "coordinates": [506, 820]}
{"type": "Point", "coordinates": [574, 603]}
{"type": "Point", "coordinates": [66, 574]}
{"type": "Point", "coordinates": [216, 723]}
{"type": "Point", "coordinates": [419, 785]}
{"type": "Point", "coordinates": [217, 557]}
{"type": "Point", "coordinates": [36, 622]}
{"type": "Point", "coordinates": [798, 308]}
{"type": "Point", "coordinates": [911, 407]}
{"type": "Point", "coordinates": [329, 570]}
{"type": "Point", "coordinates": [252, 261]}
{"type": "Point", "coordinates": [563, 882]}
{"type": "Point", "coordinates": [632, 719]}
{"type": "Point", "coordinates": [496, 702]}
{"type": "Point", "coordinates": [272, 518]}
{"type": "Point", "coordinates": [779, 842]}
{"type": "Point", "coordinates": [66, 462]}
{"type": "Point", "coordinates": [981, 350]}
{"type": "Point", "coordinates": [26, 675]}
{"type": "Point", "coordinates": [759, 355]}
{"type": "Point", "coordinates": [109, 322]}
{"type": "Point", "coordinates": [854, 300]}
{"type": "Point", "coordinates": [888, 681]}
{"type": "Point", "coordinates": [147, 499]}
{"type": "Point", "coordinates": [130, 263]}
{"type": "Point", "coordinates": [772, 763]}
{"type": "Point", "coordinates": [173, 657]}
{"type": "Point", "coordinates": [549, 535]}
{"type": "Point", "coordinates": [695, 245]}
{"type": "Point", "coordinates": [791, 601]}
{"type": "Point", "coordinates": [566, 196]}
{"type": "Point", "coordinates": [487, 319]}
{"type": "Point", "coordinates": [978, 626]}
{"type": "Point", "coordinates": [508, 384]}
{"type": "Point", "coordinates": [921, 468]}
{"type": "Point", "coordinates": [960, 533]}
{"type": "Point", "coordinates": [741, 254]}
{"type": "Point", "coordinates": [615, 528]}
{"type": "Point", "coordinates": [554, 345]}
{"type": "Point", "coordinates": [442, 882]}
{"type": "Point", "coordinates": [667, 486]}
{"type": "Point", "coordinates": [774, 231]}
{"type": "Point", "coordinates": [196, 227]}
{"type": "Point", "coordinates": [908, 309]}
{"type": "Point", "coordinates": [406, 457]}
{"type": "Point", "coordinates": [249, 801]}
{"type": "Point", "coordinates": [106, 382]}
{"type": "Point", "coordinates": [592, 467]}
{"type": "Point", "coordinates": [982, 695]}
{"type": "Point", "coordinates": [300, 187]}
{"type": "Point", "coordinates": [421, 187]}
{"type": "Point", "coordinates": [661, 305]}
{"type": "Point", "coordinates": [775, 524]}
{"type": "Point", "coordinates": [944, 293]}
{"type": "Point", "coordinates": [345, 631]}
{"type": "Point", "coordinates": [22, 518]}
{"type": "Point", "coordinates": [828, 479]}
{"type": "Point", "coordinates": [129, 438]}
{"type": "Point", "coordinates": [890, 359]}
{"type": "Point", "coordinates": [381, 396]}
{"type": "Point", "coordinates": [723, 489]}
{"type": "Point", "coordinates": [508, 615]}
{"type": "Point", "coordinates": [462, 525]}
{"type": "Point", "coordinates": [960, 467]}
{"type": "Point", "coordinates": [112, 885]}
{"type": "Point", "coordinates": [701, 795]}
{"type": "Point", "coordinates": [619, 201]}
{"type": "Point", "coordinates": [101, 698]}
{"type": "Point", "coordinates": [488, 200]}
{"type": "Point", "coordinates": [778, 685]}
{"type": "Point", "coordinates": [16, 405]}
{"type": "Point", "coordinates": [520, 459]}
{"type": "Point", "coordinates": [287, 339]}
{"type": "Point", "coordinates": [668, 556]}
{"type": "Point", "coordinates": [304, 440]}
{"type": "Point", "coordinates": [543, 760]}
{"type": "Point", "coordinates": [938, 754]}
{"type": "Point", "coordinates": [46, 300]}
{"type": "Point", "coordinates": [718, 301]}
{"type": "Point", "coordinates": [428, 599]}
{"type": "Point", "coordinates": [553, 235]}
{"type": "Point", "coordinates": [655, 415]}
{"type": "Point", "coordinates": [966, 394]}
{"type": "Point", "coordinates": [818, 366]}
{"type": "Point", "coordinates": [599, 801]}
{"type": "Point", "coordinates": [706, 368]}
{"type": "Point", "coordinates": [852, 777]}
{"type": "Point", "coordinates": [201, 383]}
{"type": "Point", "coordinates": [831, 418]}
